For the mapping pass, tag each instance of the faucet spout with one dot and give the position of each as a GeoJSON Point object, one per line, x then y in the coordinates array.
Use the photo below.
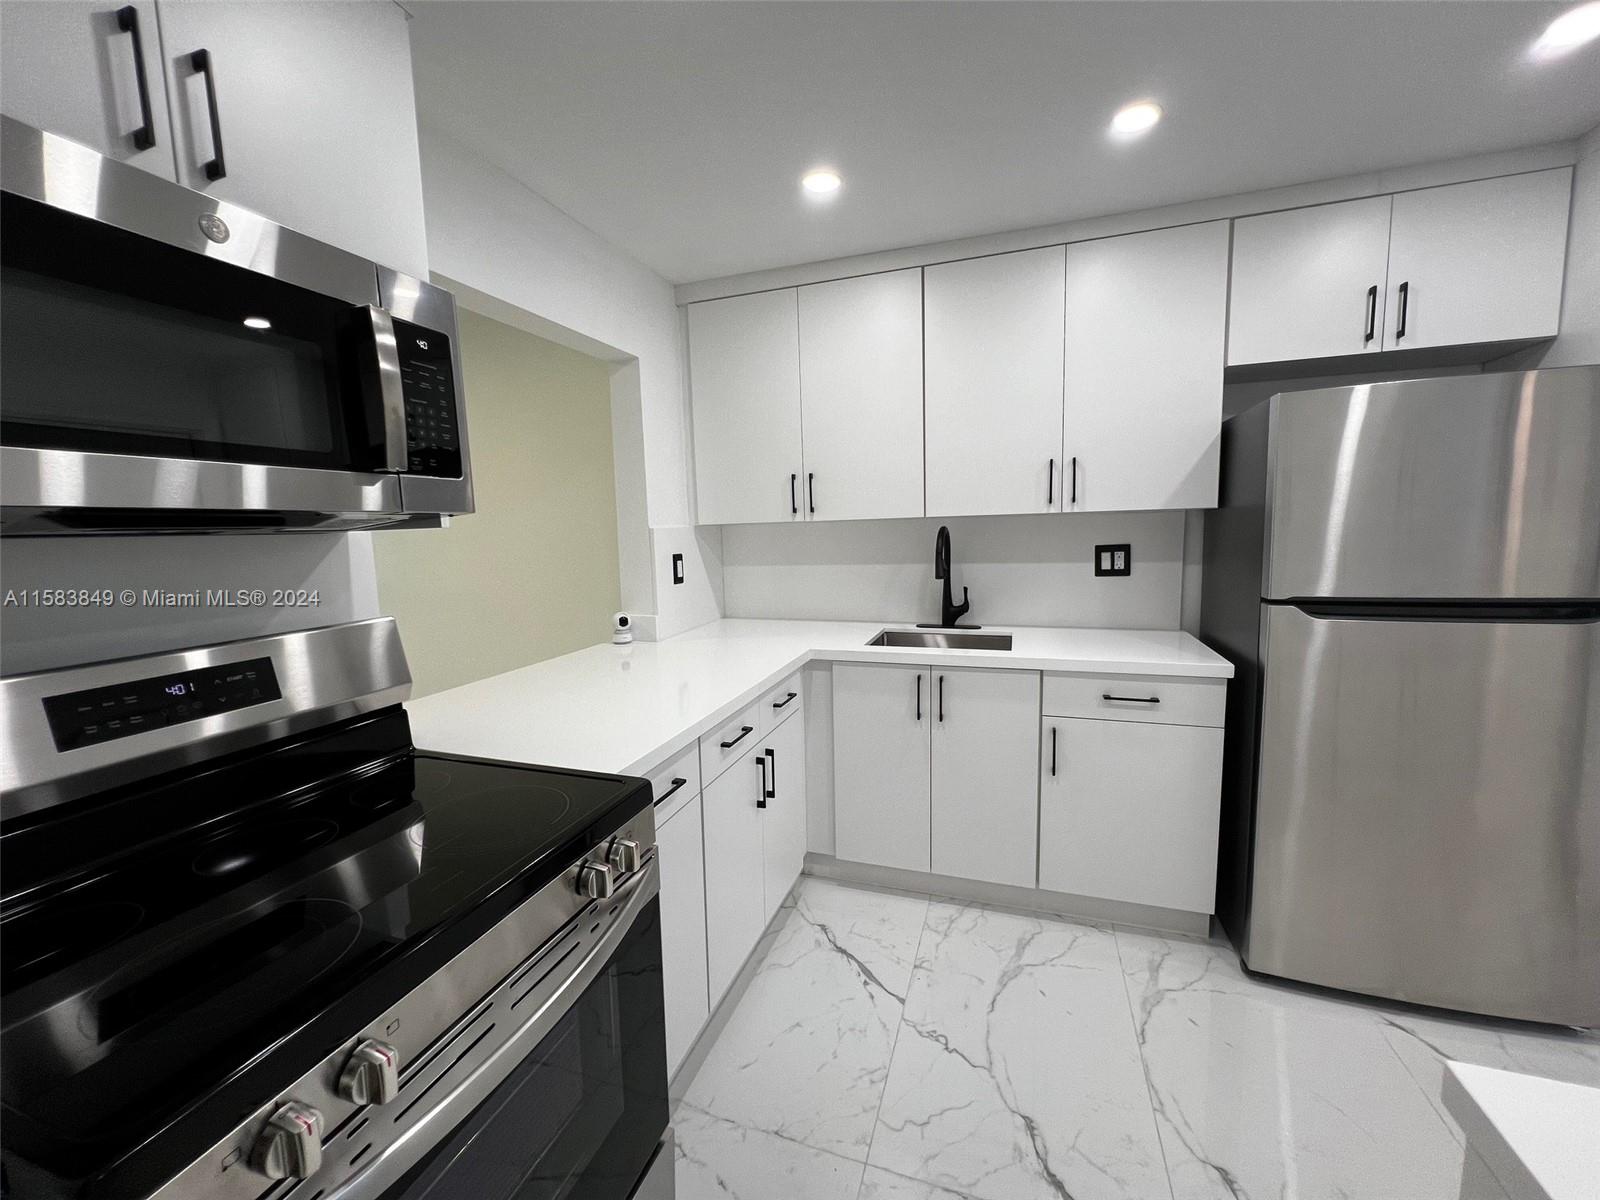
{"type": "Point", "coordinates": [949, 611]}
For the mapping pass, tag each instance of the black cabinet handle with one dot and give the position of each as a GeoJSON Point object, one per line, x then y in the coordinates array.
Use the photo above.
{"type": "Point", "coordinates": [941, 699]}
{"type": "Point", "coordinates": [811, 492]}
{"type": "Point", "coordinates": [1372, 315]}
{"type": "Point", "coordinates": [1074, 499]}
{"type": "Point", "coordinates": [1052, 751]}
{"type": "Point", "coordinates": [128, 21]}
{"type": "Point", "coordinates": [200, 60]}
{"type": "Point", "coordinates": [784, 703]}
{"type": "Point", "coordinates": [770, 775]}
{"type": "Point", "coordinates": [919, 695]}
{"type": "Point", "coordinates": [676, 784]}
{"type": "Point", "coordinates": [794, 505]}
{"type": "Point", "coordinates": [1131, 699]}
{"type": "Point", "coordinates": [1050, 483]}
{"type": "Point", "coordinates": [744, 732]}
{"type": "Point", "coordinates": [1405, 303]}
{"type": "Point", "coordinates": [761, 796]}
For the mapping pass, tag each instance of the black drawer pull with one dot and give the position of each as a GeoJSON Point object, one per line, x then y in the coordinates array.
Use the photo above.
{"type": "Point", "coordinates": [919, 695]}
{"type": "Point", "coordinates": [128, 21]}
{"type": "Point", "coordinates": [200, 60]}
{"type": "Point", "coordinates": [794, 505]}
{"type": "Point", "coordinates": [784, 703]}
{"type": "Point", "coordinates": [771, 775]}
{"type": "Point", "coordinates": [676, 784]}
{"type": "Point", "coordinates": [1131, 699]}
{"type": "Point", "coordinates": [1052, 751]}
{"type": "Point", "coordinates": [761, 796]}
{"type": "Point", "coordinates": [744, 732]}
{"type": "Point", "coordinates": [1074, 497]}
{"type": "Point", "coordinates": [811, 492]}
{"type": "Point", "coordinates": [941, 699]}
{"type": "Point", "coordinates": [1050, 484]}
{"type": "Point", "coordinates": [1372, 315]}
{"type": "Point", "coordinates": [1405, 305]}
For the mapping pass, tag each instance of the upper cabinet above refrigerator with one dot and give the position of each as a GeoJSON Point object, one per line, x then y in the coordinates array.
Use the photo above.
{"type": "Point", "coordinates": [1464, 265]}
{"type": "Point", "coordinates": [302, 112]}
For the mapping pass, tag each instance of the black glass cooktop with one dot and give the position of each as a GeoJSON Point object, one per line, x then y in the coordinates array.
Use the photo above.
{"type": "Point", "coordinates": [236, 921]}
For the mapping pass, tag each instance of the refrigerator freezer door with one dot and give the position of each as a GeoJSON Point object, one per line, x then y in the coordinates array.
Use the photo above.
{"type": "Point", "coordinates": [1428, 812]}
{"type": "Point", "coordinates": [1477, 486]}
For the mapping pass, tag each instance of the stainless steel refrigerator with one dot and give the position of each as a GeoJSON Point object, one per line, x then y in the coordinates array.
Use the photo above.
{"type": "Point", "coordinates": [1407, 576]}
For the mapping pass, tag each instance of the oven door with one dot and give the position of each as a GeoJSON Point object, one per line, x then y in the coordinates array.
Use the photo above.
{"type": "Point", "coordinates": [171, 362]}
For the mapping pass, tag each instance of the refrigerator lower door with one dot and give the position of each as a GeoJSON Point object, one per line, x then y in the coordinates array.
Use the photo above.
{"type": "Point", "coordinates": [1427, 819]}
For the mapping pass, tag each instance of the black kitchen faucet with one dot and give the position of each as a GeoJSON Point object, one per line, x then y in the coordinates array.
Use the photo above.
{"type": "Point", "coordinates": [949, 611]}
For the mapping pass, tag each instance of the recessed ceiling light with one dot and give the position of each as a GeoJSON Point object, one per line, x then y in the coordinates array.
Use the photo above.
{"type": "Point", "coordinates": [1136, 117]}
{"type": "Point", "coordinates": [257, 323]}
{"type": "Point", "coordinates": [821, 182]}
{"type": "Point", "coordinates": [1573, 28]}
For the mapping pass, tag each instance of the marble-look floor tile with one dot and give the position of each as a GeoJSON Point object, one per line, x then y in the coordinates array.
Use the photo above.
{"type": "Point", "coordinates": [806, 1052]}
{"type": "Point", "coordinates": [878, 1184]}
{"type": "Point", "coordinates": [722, 1160]}
{"type": "Point", "coordinates": [1016, 1074]}
{"type": "Point", "coordinates": [1267, 1092]}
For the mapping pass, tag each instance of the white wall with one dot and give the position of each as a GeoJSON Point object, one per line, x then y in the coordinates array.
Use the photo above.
{"type": "Point", "coordinates": [337, 566]}
{"type": "Point", "coordinates": [493, 236]}
{"type": "Point", "coordinates": [1022, 570]}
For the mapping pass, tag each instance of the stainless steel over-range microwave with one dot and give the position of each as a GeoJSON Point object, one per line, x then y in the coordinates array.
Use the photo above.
{"type": "Point", "coordinates": [170, 362]}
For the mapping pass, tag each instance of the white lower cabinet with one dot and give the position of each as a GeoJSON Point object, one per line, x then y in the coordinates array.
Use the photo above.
{"type": "Point", "coordinates": [882, 725]}
{"type": "Point", "coordinates": [735, 891]}
{"type": "Point", "coordinates": [1128, 811]}
{"type": "Point", "coordinates": [986, 775]}
{"type": "Point", "coordinates": [783, 824]}
{"type": "Point", "coordinates": [683, 928]}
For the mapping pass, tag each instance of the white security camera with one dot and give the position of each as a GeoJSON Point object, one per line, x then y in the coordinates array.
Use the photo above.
{"type": "Point", "coordinates": [621, 629]}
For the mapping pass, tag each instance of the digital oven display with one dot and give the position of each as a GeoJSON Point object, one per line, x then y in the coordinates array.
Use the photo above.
{"type": "Point", "coordinates": [123, 709]}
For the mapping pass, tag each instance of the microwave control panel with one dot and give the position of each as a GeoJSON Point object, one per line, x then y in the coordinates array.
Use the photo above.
{"type": "Point", "coordinates": [124, 709]}
{"type": "Point", "coordinates": [433, 438]}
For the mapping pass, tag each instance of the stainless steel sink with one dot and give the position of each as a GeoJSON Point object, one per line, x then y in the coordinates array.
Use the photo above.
{"type": "Point", "coordinates": [943, 639]}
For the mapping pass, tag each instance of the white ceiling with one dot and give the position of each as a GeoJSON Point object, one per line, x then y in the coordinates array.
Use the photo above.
{"type": "Point", "coordinates": [678, 131]}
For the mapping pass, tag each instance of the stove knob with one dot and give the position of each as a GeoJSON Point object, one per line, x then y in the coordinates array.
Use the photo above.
{"type": "Point", "coordinates": [290, 1147]}
{"type": "Point", "coordinates": [371, 1074]}
{"type": "Point", "coordinates": [626, 855]}
{"type": "Point", "coordinates": [596, 880]}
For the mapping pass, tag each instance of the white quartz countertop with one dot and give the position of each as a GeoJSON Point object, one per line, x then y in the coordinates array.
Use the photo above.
{"type": "Point", "coordinates": [1540, 1137]}
{"type": "Point", "coordinates": [624, 708]}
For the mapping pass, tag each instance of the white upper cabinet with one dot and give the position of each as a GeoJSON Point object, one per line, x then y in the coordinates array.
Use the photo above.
{"type": "Point", "coordinates": [744, 369]}
{"type": "Point", "coordinates": [1309, 282]}
{"type": "Point", "coordinates": [861, 396]}
{"type": "Point", "coordinates": [986, 775]}
{"type": "Point", "coordinates": [1478, 262]}
{"type": "Point", "coordinates": [84, 71]}
{"type": "Point", "coordinates": [1147, 318]}
{"type": "Point", "coordinates": [993, 377]}
{"type": "Point", "coordinates": [315, 114]}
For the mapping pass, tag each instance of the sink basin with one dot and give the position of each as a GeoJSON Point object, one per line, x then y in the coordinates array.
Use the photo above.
{"type": "Point", "coordinates": [943, 639]}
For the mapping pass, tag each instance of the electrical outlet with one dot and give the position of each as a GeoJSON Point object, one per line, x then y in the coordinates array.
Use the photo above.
{"type": "Point", "coordinates": [1114, 559]}
{"type": "Point", "coordinates": [677, 569]}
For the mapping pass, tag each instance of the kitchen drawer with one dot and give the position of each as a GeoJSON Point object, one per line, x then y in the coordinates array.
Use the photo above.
{"type": "Point", "coordinates": [740, 731]}
{"type": "Point", "coordinates": [781, 703]}
{"type": "Point", "coordinates": [675, 782]}
{"type": "Point", "coordinates": [1159, 699]}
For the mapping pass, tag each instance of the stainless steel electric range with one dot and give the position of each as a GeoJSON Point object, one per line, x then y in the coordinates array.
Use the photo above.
{"type": "Point", "coordinates": [255, 946]}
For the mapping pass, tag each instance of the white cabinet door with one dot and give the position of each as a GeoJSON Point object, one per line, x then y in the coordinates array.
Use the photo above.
{"type": "Point", "coordinates": [317, 117]}
{"type": "Point", "coordinates": [986, 775]}
{"type": "Point", "coordinates": [1128, 811]}
{"type": "Point", "coordinates": [744, 376]}
{"type": "Point", "coordinates": [882, 717]}
{"type": "Point", "coordinates": [734, 890]}
{"type": "Point", "coordinates": [783, 825]}
{"type": "Point", "coordinates": [861, 396]}
{"type": "Point", "coordinates": [993, 347]}
{"type": "Point", "coordinates": [683, 928]}
{"type": "Point", "coordinates": [1147, 323]}
{"type": "Point", "coordinates": [70, 67]}
{"type": "Point", "coordinates": [1478, 262]}
{"type": "Point", "coordinates": [1303, 282]}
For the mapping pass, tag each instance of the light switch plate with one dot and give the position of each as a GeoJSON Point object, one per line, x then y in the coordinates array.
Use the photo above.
{"type": "Point", "coordinates": [677, 569]}
{"type": "Point", "coordinates": [1113, 559]}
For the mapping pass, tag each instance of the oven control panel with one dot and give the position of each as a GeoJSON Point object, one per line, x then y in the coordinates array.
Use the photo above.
{"type": "Point", "coordinates": [123, 709]}
{"type": "Point", "coordinates": [427, 379]}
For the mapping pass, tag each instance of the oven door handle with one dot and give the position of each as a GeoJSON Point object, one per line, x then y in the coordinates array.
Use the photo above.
{"type": "Point", "coordinates": [437, 1123]}
{"type": "Point", "coordinates": [391, 395]}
